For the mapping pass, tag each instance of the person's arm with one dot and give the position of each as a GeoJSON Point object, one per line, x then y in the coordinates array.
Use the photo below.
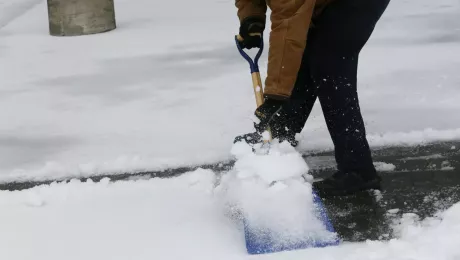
{"type": "Point", "coordinates": [252, 16]}
{"type": "Point", "coordinates": [290, 23]}
{"type": "Point", "coordinates": [251, 9]}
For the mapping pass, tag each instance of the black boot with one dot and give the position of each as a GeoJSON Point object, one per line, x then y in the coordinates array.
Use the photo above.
{"type": "Point", "coordinates": [342, 184]}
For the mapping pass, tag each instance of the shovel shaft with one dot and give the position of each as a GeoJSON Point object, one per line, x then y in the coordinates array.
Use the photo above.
{"type": "Point", "coordinates": [258, 90]}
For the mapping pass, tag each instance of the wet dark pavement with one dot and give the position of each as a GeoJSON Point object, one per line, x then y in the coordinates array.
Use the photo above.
{"type": "Point", "coordinates": [421, 180]}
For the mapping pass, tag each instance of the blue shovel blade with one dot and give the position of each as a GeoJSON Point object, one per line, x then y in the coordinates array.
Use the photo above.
{"type": "Point", "coordinates": [262, 242]}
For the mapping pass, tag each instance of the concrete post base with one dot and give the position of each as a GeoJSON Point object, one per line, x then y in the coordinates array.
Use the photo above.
{"type": "Point", "coordinates": [80, 17]}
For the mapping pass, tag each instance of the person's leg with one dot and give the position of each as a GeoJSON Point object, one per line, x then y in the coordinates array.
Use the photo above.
{"type": "Point", "coordinates": [341, 32]}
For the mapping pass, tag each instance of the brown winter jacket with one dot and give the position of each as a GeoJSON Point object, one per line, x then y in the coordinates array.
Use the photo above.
{"type": "Point", "coordinates": [290, 22]}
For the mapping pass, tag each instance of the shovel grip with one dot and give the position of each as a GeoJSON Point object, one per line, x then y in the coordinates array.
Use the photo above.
{"type": "Point", "coordinates": [254, 66]}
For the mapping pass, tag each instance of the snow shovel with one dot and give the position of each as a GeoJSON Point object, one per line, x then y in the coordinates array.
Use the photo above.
{"type": "Point", "coordinates": [263, 241]}
{"type": "Point", "coordinates": [256, 81]}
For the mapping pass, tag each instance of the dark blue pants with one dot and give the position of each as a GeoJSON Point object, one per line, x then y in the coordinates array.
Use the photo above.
{"type": "Point", "coordinates": [329, 73]}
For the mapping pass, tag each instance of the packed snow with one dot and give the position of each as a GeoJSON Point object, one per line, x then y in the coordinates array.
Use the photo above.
{"type": "Point", "coordinates": [162, 91]}
{"type": "Point", "coordinates": [261, 185]}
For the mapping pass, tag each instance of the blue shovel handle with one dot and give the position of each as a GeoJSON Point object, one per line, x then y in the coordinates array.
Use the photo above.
{"type": "Point", "coordinates": [253, 64]}
{"type": "Point", "coordinates": [257, 82]}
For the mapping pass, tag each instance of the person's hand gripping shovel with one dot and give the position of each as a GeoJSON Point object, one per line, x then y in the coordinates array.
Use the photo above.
{"type": "Point", "coordinates": [257, 86]}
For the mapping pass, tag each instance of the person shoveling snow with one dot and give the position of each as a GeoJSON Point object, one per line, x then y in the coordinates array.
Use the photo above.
{"type": "Point", "coordinates": [313, 53]}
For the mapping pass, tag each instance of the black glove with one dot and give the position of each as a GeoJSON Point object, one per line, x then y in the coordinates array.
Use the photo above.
{"type": "Point", "coordinates": [267, 113]}
{"type": "Point", "coordinates": [251, 30]}
{"type": "Point", "coordinates": [271, 114]}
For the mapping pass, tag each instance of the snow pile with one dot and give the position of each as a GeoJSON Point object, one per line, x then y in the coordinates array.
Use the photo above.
{"type": "Point", "coordinates": [279, 162]}
{"type": "Point", "coordinates": [270, 192]}
{"type": "Point", "coordinates": [176, 218]}
{"type": "Point", "coordinates": [432, 238]}
{"type": "Point", "coordinates": [148, 219]}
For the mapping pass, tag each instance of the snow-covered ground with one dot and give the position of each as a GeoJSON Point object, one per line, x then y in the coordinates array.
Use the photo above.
{"type": "Point", "coordinates": [180, 218]}
{"type": "Point", "coordinates": [168, 88]}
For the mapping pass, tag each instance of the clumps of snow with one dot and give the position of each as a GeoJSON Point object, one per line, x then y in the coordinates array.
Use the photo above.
{"type": "Point", "coordinates": [410, 225]}
{"type": "Point", "coordinates": [378, 195]}
{"type": "Point", "coordinates": [426, 157]}
{"type": "Point", "coordinates": [404, 225]}
{"type": "Point", "coordinates": [445, 166]}
{"type": "Point", "coordinates": [273, 192]}
{"type": "Point", "coordinates": [384, 167]}
{"type": "Point", "coordinates": [438, 201]}
{"type": "Point", "coordinates": [393, 211]}
{"type": "Point", "coordinates": [282, 162]}
{"type": "Point", "coordinates": [432, 238]}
